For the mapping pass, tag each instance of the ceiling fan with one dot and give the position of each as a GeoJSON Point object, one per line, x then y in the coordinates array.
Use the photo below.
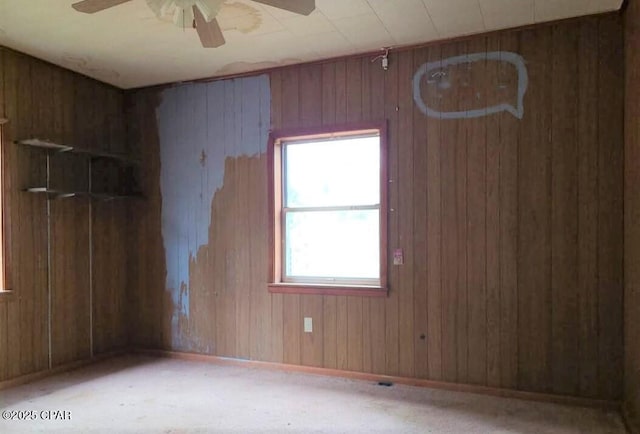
{"type": "Point", "coordinates": [200, 14]}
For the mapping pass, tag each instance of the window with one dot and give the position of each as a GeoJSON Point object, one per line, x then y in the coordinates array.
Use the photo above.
{"type": "Point", "coordinates": [328, 196]}
{"type": "Point", "coordinates": [4, 257]}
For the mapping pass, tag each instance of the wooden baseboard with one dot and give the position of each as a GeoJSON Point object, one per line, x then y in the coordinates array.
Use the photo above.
{"type": "Point", "coordinates": [468, 388]}
{"type": "Point", "coordinates": [34, 376]}
{"type": "Point", "coordinates": [363, 376]}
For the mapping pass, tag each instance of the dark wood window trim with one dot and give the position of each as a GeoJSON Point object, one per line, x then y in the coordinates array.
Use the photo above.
{"type": "Point", "coordinates": [276, 285]}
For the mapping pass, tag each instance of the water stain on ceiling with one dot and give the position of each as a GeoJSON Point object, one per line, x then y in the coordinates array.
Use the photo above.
{"type": "Point", "coordinates": [85, 65]}
{"type": "Point", "coordinates": [239, 16]}
{"type": "Point", "coordinates": [128, 46]}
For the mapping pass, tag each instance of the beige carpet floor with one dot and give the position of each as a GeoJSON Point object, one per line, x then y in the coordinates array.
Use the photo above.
{"type": "Point", "coordinates": [137, 394]}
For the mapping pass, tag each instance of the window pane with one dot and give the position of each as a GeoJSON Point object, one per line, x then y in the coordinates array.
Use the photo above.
{"type": "Point", "coordinates": [340, 244]}
{"type": "Point", "coordinates": [333, 172]}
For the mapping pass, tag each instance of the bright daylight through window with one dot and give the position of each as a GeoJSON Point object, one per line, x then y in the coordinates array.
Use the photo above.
{"type": "Point", "coordinates": [329, 209]}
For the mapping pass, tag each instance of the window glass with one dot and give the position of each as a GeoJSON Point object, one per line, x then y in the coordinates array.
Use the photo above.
{"type": "Point", "coordinates": [333, 244]}
{"type": "Point", "coordinates": [331, 210]}
{"type": "Point", "coordinates": [333, 172]}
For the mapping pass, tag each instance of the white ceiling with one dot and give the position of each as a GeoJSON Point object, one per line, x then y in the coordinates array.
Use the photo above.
{"type": "Point", "coordinates": [129, 47]}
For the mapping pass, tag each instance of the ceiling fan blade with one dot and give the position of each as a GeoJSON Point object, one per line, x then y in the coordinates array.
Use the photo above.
{"type": "Point", "coordinates": [302, 7]}
{"type": "Point", "coordinates": [209, 32]}
{"type": "Point", "coordinates": [93, 6]}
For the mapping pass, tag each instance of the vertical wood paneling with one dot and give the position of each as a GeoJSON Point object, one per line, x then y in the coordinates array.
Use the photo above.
{"type": "Point", "coordinates": [277, 300]}
{"type": "Point", "coordinates": [631, 404]}
{"type": "Point", "coordinates": [477, 221]}
{"type": "Point", "coordinates": [588, 209]}
{"type": "Point", "coordinates": [259, 233]}
{"type": "Point", "coordinates": [211, 136]}
{"type": "Point", "coordinates": [420, 265]}
{"type": "Point", "coordinates": [148, 308]}
{"type": "Point", "coordinates": [463, 95]}
{"type": "Point", "coordinates": [108, 221]}
{"type": "Point", "coordinates": [41, 100]}
{"type": "Point", "coordinates": [70, 325]}
{"type": "Point", "coordinates": [449, 230]}
{"type": "Point", "coordinates": [5, 193]}
{"type": "Point", "coordinates": [406, 332]}
{"type": "Point", "coordinates": [13, 328]}
{"type": "Point", "coordinates": [391, 306]}
{"type": "Point", "coordinates": [377, 321]}
{"type": "Point", "coordinates": [4, 342]}
{"type": "Point", "coordinates": [610, 220]}
{"type": "Point", "coordinates": [27, 206]}
{"type": "Point", "coordinates": [509, 221]}
{"type": "Point", "coordinates": [434, 233]}
{"type": "Point", "coordinates": [534, 211]}
{"type": "Point", "coordinates": [41, 120]}
{"type": "Point", "coordinates": [2, 91]}
{"type": "Point", "coordinates": [247, 98]}
{"type": "Point", "coordinates": [231, 267]}
{"type": "Point", "coordinates": [564, 203]}
{"type": "Point", "coordinates": [492, 222]}
{"type": "Point", "coordinates": [503, 221]}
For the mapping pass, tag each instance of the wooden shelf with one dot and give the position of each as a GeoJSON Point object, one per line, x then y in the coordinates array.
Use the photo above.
{"type": "Point", "coordinates": [56, 147]}
{"type": "Point", "coordinates": [52, 193]}
{"type": "Point", "coordinates": [60, 194]}
{"type": "Point", "coordinates": [45, 144]}
{"type": "Point", "coordinates": [53, 148]}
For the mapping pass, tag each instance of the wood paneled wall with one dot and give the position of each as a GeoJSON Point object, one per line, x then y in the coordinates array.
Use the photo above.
{"type": "Point", "coordinates": [41, 100]}
{"type": "Point", "coordinates": [632, 217]}
{"type": "Point", "coordinates": [512, 229]}
{"type": "Point", "coordinates": [208, 137]}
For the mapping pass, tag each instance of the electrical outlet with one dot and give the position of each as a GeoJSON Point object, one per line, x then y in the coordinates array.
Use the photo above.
{"type": "Point", "coordinates": [308, 325]}
{"type": "Point", "coordinates": [398, 257]}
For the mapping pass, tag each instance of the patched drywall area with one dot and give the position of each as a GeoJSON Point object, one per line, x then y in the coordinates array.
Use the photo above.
{"type": "Point", "coordinates": [200, 128]}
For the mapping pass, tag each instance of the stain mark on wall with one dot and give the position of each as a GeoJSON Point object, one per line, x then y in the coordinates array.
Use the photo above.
{"type": "Point", "coordinates": [442, 75]}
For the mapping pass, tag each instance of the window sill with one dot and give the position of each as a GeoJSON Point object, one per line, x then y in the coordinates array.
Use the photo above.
{"type": "Point", "coordinates": [6, 295]}
{"type": "Point", "coordinates": [305, 288]}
